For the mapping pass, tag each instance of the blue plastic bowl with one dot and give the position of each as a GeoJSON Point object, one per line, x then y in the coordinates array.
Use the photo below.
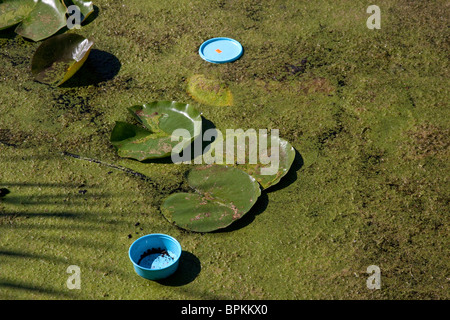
{"type": "Point", "coordinates": [220, 50]}
{"type": "Point", "coordinates": [155, 256]}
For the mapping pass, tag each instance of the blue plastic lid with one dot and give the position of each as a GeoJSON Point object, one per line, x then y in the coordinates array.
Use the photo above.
{"type": "Point", "coordinates": [221, 50]}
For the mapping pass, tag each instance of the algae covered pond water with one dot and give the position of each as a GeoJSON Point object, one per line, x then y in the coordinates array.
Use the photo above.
{"type": "Point", "coordinates": [366, 110]}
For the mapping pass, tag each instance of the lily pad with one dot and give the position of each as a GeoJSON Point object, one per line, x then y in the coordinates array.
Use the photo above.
{"type": "Point", "coordinates": [222, 196]}
{"type": "Point", "coordinates": [265, 157]}
{"type": "Point", "coordinates": [39, 19]}
{"type": "Point", "coordinates": [13, 12]}
{"type": "Point", "coordinates": [277, 169]}
{"type": "Point", "coordinates": [209, 92]}
{"type": "Point", "coordinates": [46, 18]}
{"type": "Point", "coordinates": [86, 8]}
{"type": "Point", "coordinates": [58, 58]}
{"type": "Point", "coordinates": [159, 120]}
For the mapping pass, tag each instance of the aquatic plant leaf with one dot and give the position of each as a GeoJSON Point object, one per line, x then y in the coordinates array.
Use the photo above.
{"type": "Point", "coordinates": [263, 161]}
{"type": "Point", "coordinates": [14, 11]}
{"type": "Point", "coordinates": [222, 196]}
{"type": "Point", "coordinates": [209, 92]}
{"type": "Point", "coordinates": [159, 120]}
{"type": "Point", "coordinates": [46, 18]}
{"type": "Point", "coordinates": [281, 163]}
{"type": "Point", "coordinates": [86, 8]}
{"type": "Point", "coordinates": [58, 58]}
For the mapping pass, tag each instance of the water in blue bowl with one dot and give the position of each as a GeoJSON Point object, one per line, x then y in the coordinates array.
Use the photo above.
{"type": "Point", "coordinates": [156, 258]}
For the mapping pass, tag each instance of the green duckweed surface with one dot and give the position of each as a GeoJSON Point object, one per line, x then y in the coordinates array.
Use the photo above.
{"type": "Point", "coordinates": [367, 111]}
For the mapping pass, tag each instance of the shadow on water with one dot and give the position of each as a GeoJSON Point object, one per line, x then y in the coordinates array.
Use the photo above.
{"type": "Point", "coordinates": [29, 287]}
{"type": "Point", "coordinates": [263, 200]}
{"type": "Point", "coordinates": [45, 184]}
{"type": "Point", "coordinates": [25, 255]}
{"type": "Point", "coordinates": [8, 33]}
{"type": "Point", "coordinates": [91, 17]}
{"type": "Point", "coordinates": [33, 289]}
{"type": "Point", "coordinates": [188, 269]}
{"type": "Point", "coordinates": [99, 67]}
{"type": "Point", "coordinates": [58, 199]}
{"type": "Point", "coordinates": [291, 175]}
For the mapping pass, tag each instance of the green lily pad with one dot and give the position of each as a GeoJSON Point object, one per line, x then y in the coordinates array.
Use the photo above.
{"type": "Point", "coordinates": [86, 8]}
{"type": "Point", "coordinates": [222, 196]}
{"type": "Point", "coordinates": [58, 58]}
{"type": "Point", "coordinates": [281, 164]}
{"type": "Point", "coordinates": [209, 92]}
{"type": "Point", "coordinates": [46, 18]}
{"type": "Point", "coordinates": [159, 120]}
{"type": "Point", "coordinates": [39, 19]}
{"type": "Point", "coordinates": [258, 159]}
{"type": "Point", "coordinates": [13, 12]}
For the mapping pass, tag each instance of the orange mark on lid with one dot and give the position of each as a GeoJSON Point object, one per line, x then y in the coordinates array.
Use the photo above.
{"type": "Point", "coordinates": [218, 51]}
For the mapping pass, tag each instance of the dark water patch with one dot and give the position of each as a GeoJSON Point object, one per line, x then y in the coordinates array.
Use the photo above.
{"type": "Point", "coordinates": [100, 66]}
